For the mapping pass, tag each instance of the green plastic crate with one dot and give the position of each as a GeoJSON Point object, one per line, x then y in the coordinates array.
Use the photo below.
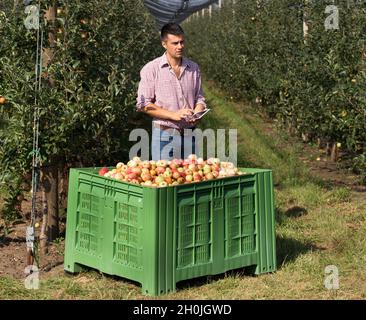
{"type": "Point", "coordinates": [160, 236]}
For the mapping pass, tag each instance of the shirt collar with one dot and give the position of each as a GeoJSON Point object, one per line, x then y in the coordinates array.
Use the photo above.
{"type": "Point", "coordinates": [164, 61]}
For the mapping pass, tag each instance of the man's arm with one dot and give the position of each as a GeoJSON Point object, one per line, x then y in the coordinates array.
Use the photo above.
{"type": "Point", "coordinates": [200, 99]}
{"type": "Point", "coordinates": [154, 111]}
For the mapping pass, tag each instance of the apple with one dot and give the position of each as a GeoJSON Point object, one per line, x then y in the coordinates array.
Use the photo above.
{"type": "Point", "coordinates": [160, 170]}
{"type": "Point", "coordinates": [209, 176]}
{"type": "Point", "coordinates": [146, 177]}
{"type": "Point", "coordinates": [137, 159]}
{"type": "Point", "coordinates": [136, 170]}
{"type": "Point", "coordinates": [168, 180]}
{"type": "Point", "coordinates": [167, 174]}
{"type": "Point", "coordinates": [189, 178]}
{"type": "Point", "coordinates": [119, 165]}
{"type": "Point", "coordinates": [197, 177]}
{"type": "Point", "coordinates": [2, 100]}
{"type": "Point", "coordinates": [161, 163]}
{"type": "Point", "coordinates": [163, 184]}
{"type": "Point", "coordinates": [131, 176]}
{"type": "Point", "coordinates": [176, 175]}
{"type": "Point", "coordinates": [119, 176]}
{"type": "Point", "coordinates": [108, 174]}
{"type": "Point", "coordinates": [207, 168]}
{"type": "Point", "coordinates": [159, 179]}
{"type": "Point", "coordinates": [146, 164]}
{"type": "Point", "coordinates": [103, 171]}
{"type": "Point", "coordinates": [189, 172]}
{"type": "Point", "coordinates": [174, 172]}
{"type": "Point", "coordinates": [132, 163]}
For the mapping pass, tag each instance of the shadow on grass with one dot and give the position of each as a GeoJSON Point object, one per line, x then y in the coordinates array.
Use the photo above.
{"type": "Point", "coordinates": [203, 280]}
{"type": "Point", "coordinates": [291, 213]}
{"type": "Point", "coordinates": [289, 249]}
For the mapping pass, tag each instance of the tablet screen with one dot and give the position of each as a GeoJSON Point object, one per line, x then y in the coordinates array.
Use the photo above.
{"type": "Point", "coordinates": [199, 115]}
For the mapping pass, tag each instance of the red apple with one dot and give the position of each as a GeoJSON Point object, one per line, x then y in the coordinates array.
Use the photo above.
{"type": "Point", "coordinates": [103, 171]}
{"type": "Point", "coordinates": [146, 177]}
{"type": "Point", "coordinates": [137, 171]}
{"type": "Point", "coordinates": [168, 180]}
{"type": "Point", "coordinates": [176, 175]}
{"type": "Point", "coordinates": [160, 170]}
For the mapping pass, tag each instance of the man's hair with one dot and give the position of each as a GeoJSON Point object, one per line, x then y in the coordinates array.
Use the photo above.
{"type": "Point", "coordinates": [171, 28]}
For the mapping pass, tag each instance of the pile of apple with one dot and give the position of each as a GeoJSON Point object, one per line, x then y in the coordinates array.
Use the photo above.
{"type": "Point", "coordinates": [163, 173]}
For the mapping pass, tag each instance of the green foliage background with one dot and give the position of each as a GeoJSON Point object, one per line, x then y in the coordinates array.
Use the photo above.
{"type": "Point", "coordinates": [87, 113]}
{"type": "Point", "coordinates": [255, 50]}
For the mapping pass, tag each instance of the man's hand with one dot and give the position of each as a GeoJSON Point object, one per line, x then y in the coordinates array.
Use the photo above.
{"type": "Point", "coordinates": [182, 114]}
{"type": "Point", "coordinates": [198, 108]}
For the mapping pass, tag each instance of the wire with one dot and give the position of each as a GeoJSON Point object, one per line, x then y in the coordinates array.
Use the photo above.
{"type": "Point", "coordinates": [32, 245]}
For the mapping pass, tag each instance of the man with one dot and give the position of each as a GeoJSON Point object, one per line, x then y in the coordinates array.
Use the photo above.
{"type": "Point", "coordinates": [170, 91]}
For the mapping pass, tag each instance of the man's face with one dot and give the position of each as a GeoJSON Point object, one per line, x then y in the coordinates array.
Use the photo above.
{"type": "Point", "coordinates": [174, 45]}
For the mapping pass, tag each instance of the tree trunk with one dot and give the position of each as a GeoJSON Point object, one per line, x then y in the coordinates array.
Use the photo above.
{"type": "Point", "coordinates": [50, 186]}
{"type": "Point", "coordinates": [49, 182]}
{"type": "Point", "coordinates": [48, 53]}
{"type": "Point", "coordinates": [305, 25]}
{"type": "Point", "coordinates": [43, 234]}
{"type": "Point", "coordinates": [334, 153]}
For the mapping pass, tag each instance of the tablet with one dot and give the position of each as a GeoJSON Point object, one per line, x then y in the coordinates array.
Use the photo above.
{"type": "Point", "coordinates": [199, 115]}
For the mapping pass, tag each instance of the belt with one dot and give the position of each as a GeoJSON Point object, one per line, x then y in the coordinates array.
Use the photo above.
{"type": "Point", "coordinates": [162, 127]}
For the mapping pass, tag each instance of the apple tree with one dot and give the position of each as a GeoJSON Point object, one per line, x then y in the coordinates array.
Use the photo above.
{"type": "Point", "coordinates": [93, 52]}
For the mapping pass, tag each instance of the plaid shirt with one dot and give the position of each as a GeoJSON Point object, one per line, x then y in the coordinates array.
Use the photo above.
{"type": "Point", "coordinates": [160, 85]}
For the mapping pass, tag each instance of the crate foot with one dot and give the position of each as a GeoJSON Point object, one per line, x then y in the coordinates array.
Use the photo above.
{"type": "Point", "coordinates": [73, 267]}
{"type": "Point", "coordinates": [153, 291]}
{"type": "Point", "coordinates": [252, 270]}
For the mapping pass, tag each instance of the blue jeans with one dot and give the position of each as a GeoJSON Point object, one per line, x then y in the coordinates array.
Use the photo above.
{"type": "Point", "coordinates": [170, 144]}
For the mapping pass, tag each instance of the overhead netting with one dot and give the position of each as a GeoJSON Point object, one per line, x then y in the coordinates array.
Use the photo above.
{"type": "Point", "coordinates": [166, 11]}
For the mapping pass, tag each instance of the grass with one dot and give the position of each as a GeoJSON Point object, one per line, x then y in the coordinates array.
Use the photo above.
{"type": "Point", "coordinates": [255, 149]}
{"type": "Point", "coordinates": [316, 226]}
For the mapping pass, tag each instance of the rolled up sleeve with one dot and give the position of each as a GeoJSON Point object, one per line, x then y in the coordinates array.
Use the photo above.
{"type": "Point", "coordinates": [199, 98]}
{"type": "Point", "coordinates": [146, 89]}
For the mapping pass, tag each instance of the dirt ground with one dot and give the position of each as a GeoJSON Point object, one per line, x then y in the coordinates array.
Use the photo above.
{"type": "Point", "coordinates": [13, 254]}
{"type": "Point", "coordinates": [13, 247]}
